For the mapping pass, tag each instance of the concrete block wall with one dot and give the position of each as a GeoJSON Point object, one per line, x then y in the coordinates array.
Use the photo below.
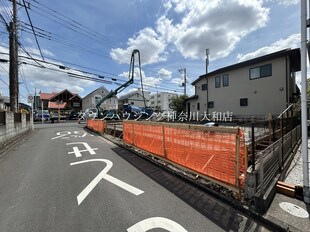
{"type": "Point", "coordinates": [11, 130]}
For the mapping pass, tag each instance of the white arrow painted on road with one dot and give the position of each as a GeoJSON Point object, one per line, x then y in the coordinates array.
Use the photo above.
{"type": "Point", "coordinates": [103, 175]}
{"type": "Point", "coordinates": [156, 222]}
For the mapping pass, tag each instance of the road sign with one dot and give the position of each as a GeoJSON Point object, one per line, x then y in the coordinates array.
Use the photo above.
{"type": "Point", "coordinates": [30, 98]}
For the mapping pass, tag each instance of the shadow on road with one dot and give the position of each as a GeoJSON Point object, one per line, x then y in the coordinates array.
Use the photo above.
{"type": "Point", "coordinates": [221, 214]}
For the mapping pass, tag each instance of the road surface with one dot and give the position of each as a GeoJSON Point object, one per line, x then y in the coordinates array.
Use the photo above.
{"type": "Point", "coordinates": [63, 178]}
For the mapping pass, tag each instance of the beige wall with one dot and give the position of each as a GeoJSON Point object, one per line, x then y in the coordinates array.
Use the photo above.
{"type": "Point", "coordinates": [265, 95]}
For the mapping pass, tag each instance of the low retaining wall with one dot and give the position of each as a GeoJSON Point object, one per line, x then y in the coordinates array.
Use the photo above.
{"type": "Point", "coordinates": [12, 125]}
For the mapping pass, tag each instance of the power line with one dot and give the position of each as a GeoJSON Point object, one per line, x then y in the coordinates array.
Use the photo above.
{"type": "Point", "coordinates": [71, 22]}
{"type": "Point", "coordinates": [33, 29]}
{"type": "Point", "coordinates": [22, 74]}
{"type": "Point", "coordinates": [6, 10]}
{"type": "Point", "coordinates": [89, 73]}
{"type": "Point", "coordinates": [25, 50]}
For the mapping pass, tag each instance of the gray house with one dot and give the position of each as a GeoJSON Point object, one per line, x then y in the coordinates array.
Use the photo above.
{"type": "Point", "coordinates": [257, 87]}
{"type": "Point", "coordinates": [92, 99]}
{"type": "Point", "coordinates": [134, 98]}
{"type": "Point", "coordinates": [4, 103]}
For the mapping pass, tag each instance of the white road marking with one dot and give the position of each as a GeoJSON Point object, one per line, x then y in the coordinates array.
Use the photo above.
{"type": "Point", "coordinates": [103, 175]}
{"type": "Point", "coordinates": [77, 134]}
{"type": "Point", "coordinates": [294, 209]}
{"type": "Point", "coordinates": [61, 135]}
{"type": "Point", "coordinates": [156, 222]}
{"type": "Point", "coordinates": [77, 152]}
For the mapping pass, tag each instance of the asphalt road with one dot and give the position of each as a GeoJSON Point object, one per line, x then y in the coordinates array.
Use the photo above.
{"type": "Point", "coordinates": [66, 179]}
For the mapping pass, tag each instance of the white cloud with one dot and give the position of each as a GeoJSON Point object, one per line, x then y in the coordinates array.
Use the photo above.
{"type": "Point", "coordinates": [203, 24]}
{"type": "Point", "coordinates": [49, 81]}
{"type": "Point", "coordinates": [43, 79]}
{"type": "Point", "coordinates": [177, 81]}
{"type": "Point", "coordinates": [293, 41]}
{"type": "Point", "coordinates": [218, 26]}
{"type": "Point", "coordinates": [148, 81]}
{"type": "Point", "coordinates": [150, 45]}
{"type": "Point", "coordinates": [36, 51]}
{"type": "Point", "coordinates": [164, 74]}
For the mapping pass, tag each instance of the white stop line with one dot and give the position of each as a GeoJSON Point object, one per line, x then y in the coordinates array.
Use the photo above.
{"type": "Point", "coordinates": [103, 175]}
{"type": "Point", "coordinates": [156, 222]}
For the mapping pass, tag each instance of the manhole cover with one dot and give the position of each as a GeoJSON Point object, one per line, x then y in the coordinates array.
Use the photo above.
{"type": "Point", "coordinates": [294, 209]}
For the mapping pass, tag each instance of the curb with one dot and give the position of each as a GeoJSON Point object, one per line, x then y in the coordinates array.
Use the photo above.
{"type": "Point", "coordinates": [13, 142]}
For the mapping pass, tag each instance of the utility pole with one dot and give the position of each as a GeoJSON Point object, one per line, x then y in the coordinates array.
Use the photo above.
{"type": "Point", "coordinates": [304, 129]}
{"type": "Point", "coordinates": [183, 73]}
{"type": "Point", "coordinates": [14, 91]}
{"type": "Point", "coordinates": [207, 59]}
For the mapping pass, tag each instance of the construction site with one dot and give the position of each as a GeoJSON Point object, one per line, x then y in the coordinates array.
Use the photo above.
{"type": "Point", "coordinates": [246, 158]}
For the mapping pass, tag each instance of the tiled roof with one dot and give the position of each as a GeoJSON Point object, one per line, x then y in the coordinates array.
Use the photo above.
{"type": "Point", "coordinates": [46, 96]}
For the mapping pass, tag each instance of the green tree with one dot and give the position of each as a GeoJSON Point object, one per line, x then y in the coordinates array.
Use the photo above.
{"type": "Point", "coordinates": [178, 103]}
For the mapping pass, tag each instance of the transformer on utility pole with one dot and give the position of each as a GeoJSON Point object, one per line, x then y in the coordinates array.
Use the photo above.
{"type": "Point", "coordinates": [14, 91]}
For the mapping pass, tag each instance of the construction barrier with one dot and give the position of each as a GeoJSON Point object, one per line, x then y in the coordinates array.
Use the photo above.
{"type": "Point", "coordinates": [96, 125]}
{"type": "Point", "coordinates": [217, 153]}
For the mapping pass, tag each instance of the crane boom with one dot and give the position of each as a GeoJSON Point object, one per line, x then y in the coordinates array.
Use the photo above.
{"type": "Point", "coordinates": [122, 87]}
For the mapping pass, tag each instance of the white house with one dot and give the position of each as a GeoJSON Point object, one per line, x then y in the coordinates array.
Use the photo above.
{"type": "Point", "coordinates": [257, 87]}
{"type": "Point", "coordinates": [160, 101]}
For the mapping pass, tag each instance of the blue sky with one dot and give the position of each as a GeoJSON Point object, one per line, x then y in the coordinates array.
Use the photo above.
{"type": "Point", "coordinates": [96, 38]}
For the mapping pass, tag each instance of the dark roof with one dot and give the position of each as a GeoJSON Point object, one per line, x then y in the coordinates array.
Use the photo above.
{"type": "Point", "coordinates": [128, 95]}
{"type": "Point", "coordinates": [101, 87]}
{"type": "Point", "coordinates": [294, 55]}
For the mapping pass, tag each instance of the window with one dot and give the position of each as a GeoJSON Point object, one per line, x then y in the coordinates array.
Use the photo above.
{"type": "Point", "coordinates": [243, 101]}
{"type": "Point", "coordinates": [132, 103]}
{"type": "Point", "coordinates": [217, 82]}
{"type": "Point", "coordinates": [204, 87]}
{"type": "Point", "coordinates": [225, 80]}
{"type": "Point", "coordinates": [262, 71]}
{"type": "Point", "coordinates": [76, 104]}
{"type": "Point", "coordinates": [198, 106]}
{"type": "Point", "coordinates": [97, 99]}
{"type": "Point", "coordinates": [210, 104]}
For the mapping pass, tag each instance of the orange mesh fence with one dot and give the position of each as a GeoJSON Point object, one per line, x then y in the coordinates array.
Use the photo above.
{"type": "Point", "coordinates": [215, 153]}
{"type": "Point", "coordinates": [96, 125]}
{"type": "Point", "coordinates": [151, 133]}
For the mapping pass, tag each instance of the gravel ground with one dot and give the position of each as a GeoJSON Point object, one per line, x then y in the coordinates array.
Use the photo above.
{"type": "Point", "coordinates": [294, 174]}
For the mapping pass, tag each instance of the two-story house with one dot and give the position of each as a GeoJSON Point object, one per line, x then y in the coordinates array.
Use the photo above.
{"type": "Point", "coordinates": [135, 98]}
{"type": "Point", "coordinates": [93, 98]}
{"type": "Point", "coordinates": [256, 87]}
{"type": "Point", "coordinates": [64, 100]}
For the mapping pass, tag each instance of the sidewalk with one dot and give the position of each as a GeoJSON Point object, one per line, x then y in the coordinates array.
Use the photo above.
{"type": "Point", "coordinates": [289, 212]}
